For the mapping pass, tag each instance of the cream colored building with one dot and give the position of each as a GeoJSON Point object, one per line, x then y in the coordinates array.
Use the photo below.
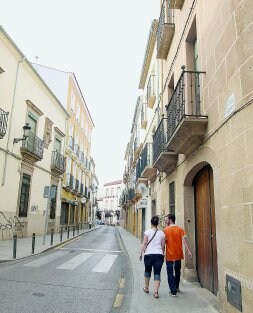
{"type": "Point", "coordinates": [76, 193]}
{"type": "Point", "coordinates": [201, 141]}
{"type": "Point", "coordinates": [110, 205]}
{"type": "Point", "coordinates": [28, 164]}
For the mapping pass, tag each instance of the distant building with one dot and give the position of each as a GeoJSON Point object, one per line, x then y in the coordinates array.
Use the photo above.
{"type": "Point", "coordinates": [110, 207]}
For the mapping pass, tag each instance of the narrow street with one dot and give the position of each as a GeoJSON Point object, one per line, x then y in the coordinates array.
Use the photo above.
{"type": "Point", "coordinates": [82, 276]}
{"type": "Point", "coordinates": [98, 271]}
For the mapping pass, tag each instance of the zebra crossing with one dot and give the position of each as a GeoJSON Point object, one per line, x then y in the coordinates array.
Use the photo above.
{"type": "Point", "coordinates": [103, 265]}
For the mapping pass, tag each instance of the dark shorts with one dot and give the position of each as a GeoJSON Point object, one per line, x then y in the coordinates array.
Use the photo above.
{"type": "Point", "coordinates": [154, 261]}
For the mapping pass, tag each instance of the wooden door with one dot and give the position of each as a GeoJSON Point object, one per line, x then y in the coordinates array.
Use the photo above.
{"type": "Point", "coordinates": [206, 230]}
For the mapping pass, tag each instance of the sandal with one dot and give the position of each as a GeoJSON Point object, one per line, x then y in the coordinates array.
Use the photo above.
{"type": "Point", "coordinates": [156, 295]}
{"type": "Point", "coordinates": [145, 290]}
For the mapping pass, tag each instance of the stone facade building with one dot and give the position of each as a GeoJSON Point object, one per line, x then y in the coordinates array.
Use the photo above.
{"type": "Point", "coordinates": [196, 156]}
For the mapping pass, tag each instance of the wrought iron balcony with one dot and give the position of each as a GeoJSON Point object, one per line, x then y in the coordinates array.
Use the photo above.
{"type": "Point", "coordinates": [138, 171]}
{"type": "Point", "coordinates": [166, 30]}
{"type": "Point", "coordinates": [86, 192]}
{"type": "Point", "coordinates": [163, 160]}
{"type": "Point", "coordinates": [32, 148]}
{"type": "Point", "coordinates": [81, 189]}
{"type": "Point", "coordinates": [151, 97]}
{"type": "Point", "coordinates": [58, 163]}
{"type": "Point", "coordinates": [3, 122]}
{"type": "Point", "coordinates": [69, 182]}
{"type": "Point", "coordinates": [186, 125]}
{"type": "Point", "coordinates": [76, 186]}
{"type": "Point", "coordinates": [130, 194]}
{"type": "Point", "coordinates": [147, 169]}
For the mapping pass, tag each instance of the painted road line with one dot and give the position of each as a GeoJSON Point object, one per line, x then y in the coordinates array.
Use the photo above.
{"type": "Point", "coordinates": [118, 301]}
{"type": "Point", "coordinates": [46, 259]}
{"type": "Point", "coordinates": [96, 250]}
{"type": "Point", "coordinates": [105, 264]}
{"type": "Point", "coordinates": [74, 262]}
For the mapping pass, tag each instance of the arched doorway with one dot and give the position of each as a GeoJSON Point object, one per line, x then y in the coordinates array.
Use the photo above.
{"type": "Point", "coordinates": [206, 249]}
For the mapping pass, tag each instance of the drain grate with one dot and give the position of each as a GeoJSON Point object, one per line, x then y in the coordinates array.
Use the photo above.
{"type": "Point", "coordinates": [38, 294]}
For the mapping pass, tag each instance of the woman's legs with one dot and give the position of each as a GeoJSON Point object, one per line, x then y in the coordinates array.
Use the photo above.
{"type": "Point", "coordinates": [157, 265]}
{"type": "Point", "coordinates": [147, 273]}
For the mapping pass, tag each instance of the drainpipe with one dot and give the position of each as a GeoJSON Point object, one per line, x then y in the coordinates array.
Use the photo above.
{"type": "Point", "coordinates": [10, 122]}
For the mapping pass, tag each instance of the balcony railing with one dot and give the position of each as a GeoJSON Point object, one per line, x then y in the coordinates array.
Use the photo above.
{"type": "Point", "coordinates": [166, 29]}
{"type": "Point", "coordinates": [81, 189]}
{"type": "Point", "coordinates": [131, 194]}
{"type": "Point", "coordinates": [3, 122]}
{"type": "Point", "coordinates": [186, 125]}
{"type": "Point", "coordinates": [163, 159]}
{"type": "Point", "coordinates": [151, 97]}
{"type": "Point", "coordinates": [86, 192]}
{"type": "Point", "coordinates": [58, 162]}
{"type": "Point", "coordinates": [160, 139]}
{"type": "Point", "coordinates": [34, 146]}
{"type": "Point", "coordinates": [69, 181]}
{"type": "Point", "coordinates": [138, 169]}
{"type": "Point", "coordinates": [76, 185]}
{"type": "Point", "coordinates": [146, 156]}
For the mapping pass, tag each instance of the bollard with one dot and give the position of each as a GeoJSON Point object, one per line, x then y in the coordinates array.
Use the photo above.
{"type": "Point", "coordinates": [61, 234]}
{"type": "Point", "coordinates": [52, 236]}
{"type": "Point", "coordinates": [33, 243]}
{"type": "Point", "coordinates": [73, 231]}
{"type": "Point", "coordinates": [81, 225]}
{"type": "Point", "coordinates": [14, 246]}
{"type": "Point", "coordinates": [68, 232]}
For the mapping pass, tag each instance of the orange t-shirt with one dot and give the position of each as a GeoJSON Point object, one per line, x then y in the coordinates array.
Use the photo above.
{"type": "Point", "coordinates": [174, 235]}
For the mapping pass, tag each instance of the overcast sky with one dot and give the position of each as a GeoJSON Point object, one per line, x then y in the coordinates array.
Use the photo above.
{"type": "Point", "coordinates": [103, 42]}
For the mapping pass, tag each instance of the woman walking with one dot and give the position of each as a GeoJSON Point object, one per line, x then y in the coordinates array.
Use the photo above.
{"type": "Point", "coordinates": [153, 249]}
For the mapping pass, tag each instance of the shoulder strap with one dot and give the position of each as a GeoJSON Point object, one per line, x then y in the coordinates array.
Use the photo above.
{"type": "Point", "coordinates": [151, 240]}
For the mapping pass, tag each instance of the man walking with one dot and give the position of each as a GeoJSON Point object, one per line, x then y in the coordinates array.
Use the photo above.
{"type": "Point", "coordinates": [174, 235]}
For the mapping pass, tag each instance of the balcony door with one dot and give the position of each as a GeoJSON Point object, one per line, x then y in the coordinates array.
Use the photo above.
{"type": "Point", "coordinates": [57, 145]}
{"type": "Point", "coordinates": [206, 230]}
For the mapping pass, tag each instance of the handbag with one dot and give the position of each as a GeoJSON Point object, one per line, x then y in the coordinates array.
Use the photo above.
{"type": "Point", "coordinates": [148, 244]}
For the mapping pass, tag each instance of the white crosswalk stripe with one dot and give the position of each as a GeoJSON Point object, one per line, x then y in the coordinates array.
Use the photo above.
{"type": "Point", "coordinates": [46, 259]}
{"type": "Point", "coordinates": [75, 262]}
{"type": "Point", "coordinates": [105, 264]}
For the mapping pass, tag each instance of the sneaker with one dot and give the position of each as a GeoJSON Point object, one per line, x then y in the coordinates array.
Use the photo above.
{"type": "Point", "coordinates": [173, 294]}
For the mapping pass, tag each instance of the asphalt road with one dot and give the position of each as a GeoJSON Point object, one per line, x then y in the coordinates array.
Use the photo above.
{"type": "Point", "coordinates": [89, 274]}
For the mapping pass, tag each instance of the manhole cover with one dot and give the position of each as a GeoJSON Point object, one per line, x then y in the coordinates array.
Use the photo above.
{"type": "Point", "coordinates": [39, 294]}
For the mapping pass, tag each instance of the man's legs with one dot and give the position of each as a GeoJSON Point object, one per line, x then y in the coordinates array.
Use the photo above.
{"type": "Point", "coordinates": [177, 272]}
{"type": "Point", "coordinates": [171, 277]}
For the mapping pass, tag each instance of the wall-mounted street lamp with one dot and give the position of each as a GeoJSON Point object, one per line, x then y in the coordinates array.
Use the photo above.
{"type": "Point", "coordinates": [26, 129]}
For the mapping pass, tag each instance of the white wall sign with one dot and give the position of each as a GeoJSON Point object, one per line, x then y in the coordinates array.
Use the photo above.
{"type": "Point", "coordinates": [142, 204]}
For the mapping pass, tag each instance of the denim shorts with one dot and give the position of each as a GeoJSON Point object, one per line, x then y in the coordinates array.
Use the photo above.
{"type": "Point", "coordinates": [154, 261]}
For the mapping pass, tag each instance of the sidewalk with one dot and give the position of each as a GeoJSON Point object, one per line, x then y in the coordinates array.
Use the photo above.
{"type": "Point", "coordinates": [24, 245]}
{"type": "Point", "coordinates": [191, 299]}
